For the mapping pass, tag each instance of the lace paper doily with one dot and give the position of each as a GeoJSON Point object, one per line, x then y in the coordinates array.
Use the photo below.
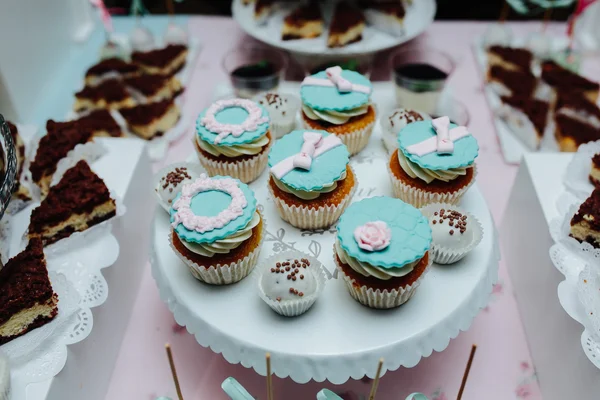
{"type": "Point", "coordinates": [588, 286]}
{"type": "Point", "coordinates": [576, 177]}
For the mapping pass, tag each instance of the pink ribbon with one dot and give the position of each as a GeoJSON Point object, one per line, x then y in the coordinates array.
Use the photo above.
{"type": "Point", "coordinates": [335, 79]}
{"type": "Point", "coordinates": [443, 142]}
{"type": "Point", "coordinates": [314, 145]}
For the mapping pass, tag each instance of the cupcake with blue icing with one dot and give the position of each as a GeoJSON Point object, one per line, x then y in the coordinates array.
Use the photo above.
{"type": "Point", "coordinates": [233, 139]}
{"type": "Point", "coordinates": [311, 181]}
{"type": "Point", "coordinates": [434, 163]}
{"type": "Point", "coordinates": [382, 251]}
{"type": "Point", "coordinates": [339, 101]}
{"type": "Point", "coordinates": [217, 229]}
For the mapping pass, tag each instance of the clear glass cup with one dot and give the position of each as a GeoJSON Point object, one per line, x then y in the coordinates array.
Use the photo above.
{"type": "Point", "coordinates": [248, 86]}
{"type": "Point", "coordinates": [449, 107]}
{"type": "Point", "coordinates": [362, 64]}
{"type": "Point", "coordinates": [420, 87]}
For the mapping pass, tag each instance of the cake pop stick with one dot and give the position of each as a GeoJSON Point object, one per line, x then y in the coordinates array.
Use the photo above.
{"type": "Point", "coordinates": [504, 12]}
{"type": "Point", "coordinates": [173, 371]}
{"type": "Point", "coordinates": [376, 381]}
{"type": "Point", "coordinates": [170, 8]}
{"type": "Point", "coordinates": [466, 374]}
{"type": "Point", "coordinates": [269, 380]}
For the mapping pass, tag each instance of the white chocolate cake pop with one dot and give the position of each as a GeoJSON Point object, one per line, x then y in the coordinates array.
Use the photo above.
{"type": "Point", "coordinates": [170, 180]}
{"type": "Point", "coordinates": [176, 34]}
{"type": "Point", "coordinates": [396, 120]}
{"type": "Point", "coordinates": [141, 39]}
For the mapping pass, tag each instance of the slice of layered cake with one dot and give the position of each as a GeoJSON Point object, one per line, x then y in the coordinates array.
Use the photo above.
{"type": "Point", "coordinates": [59, 140]}
{"type": "Point", "coordinates": [585, 225]}
{"type": "Point", "coordinates": [110, 68]}
{"type": "Point", "coordinates": [110, 94]}
{"type": "Point", "coordinates": [511, 82]}
{"type": "Point", "coordinates": [167, 61]}
{"type": "Point", "coordinates": [263, 10]}
{"type": "Point", "coordinates": [387, 15]}
{"type": "Point", "coordinates": [571, 133]}
{"type": "Point", "coordinates": [511, 58]}
{"type": "Point", "coordinates": [153, 119]}
{"type": "Point", "coordinates": [560, 79]}
{"type": "Point", "coordinates": [579, 107]}
{"type": "Point", "coordinates": [100, 122]}
{"type": "Point", "coordinates": [595, 171]}
{"type": "Point", "coordinates": [19, 190]}
{"type": "Point", "coordinates": [27, 300]}
{"type": "Point", "coordinates": [155, 87]}
{"type": "Point", "coordinates": [347, 25]}
{"type": "Point", "coordinates": [79, 201]}
{"type": "Point", "coordinates": [305, 22]}
{"type": "Point", "coordinates": [526, 117]}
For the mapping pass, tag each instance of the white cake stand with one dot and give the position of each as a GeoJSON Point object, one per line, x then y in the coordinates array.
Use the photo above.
{"type": "Point", "coordinates": [338, 338]}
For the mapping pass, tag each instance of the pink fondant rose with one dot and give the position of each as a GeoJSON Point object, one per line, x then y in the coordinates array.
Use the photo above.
{"type": "Point", "coordinates": [373, 236]}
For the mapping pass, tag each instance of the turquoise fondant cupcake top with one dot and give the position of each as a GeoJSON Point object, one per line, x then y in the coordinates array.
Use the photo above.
{"type": "Point", "coordinates": [330, 98]}
{"type": "Point", "coordinates": [217, 207]}
{"type": "Point", "coordinates": [465, 150]}
{"type": "Point", "coordinates": [232, 122]}
{"type": "Point", "coordinates": [408, 235]}
{"type": "Point", "coordinates": [325, 168]}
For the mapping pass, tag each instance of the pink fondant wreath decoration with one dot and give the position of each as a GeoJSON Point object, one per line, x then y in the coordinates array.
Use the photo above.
{"type": "Point", "coordinates": [255, 118]}
{"type": "Point", "coordinates": [199, 223]}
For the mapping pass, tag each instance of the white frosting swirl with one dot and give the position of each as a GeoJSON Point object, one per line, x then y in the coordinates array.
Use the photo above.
{"type": "Point", "coordinates": [334, 117]}
{"type": "Point", "coordinates": [236, 150]}
{"type": "Point", "coordinates": [415, 171]}
{"type": "Point", "coordinates": [304, 195]}
{"type": "Point", "coordinates": [224, 246]}
{"type": "Point", "coordinates": [366, 269]}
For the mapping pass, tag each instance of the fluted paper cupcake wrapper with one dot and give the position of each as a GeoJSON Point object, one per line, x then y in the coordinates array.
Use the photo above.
{"type": "Point", "coordinates": [356, 140]}
{"type": "Point", "coordinates": [246, 170]}
{"type": "Point", "coordinates": [385, 299]}
{"type": "Point", "coordinates": [419, 197]}
{"type": "Point", "coordinates": [312, 218]}
{"type": "Point", "coordinates": [444, 255]}
{"type": "Point", "coordinates": [224, 274]}
{"type": "Point", "coordinates": [291, 308]}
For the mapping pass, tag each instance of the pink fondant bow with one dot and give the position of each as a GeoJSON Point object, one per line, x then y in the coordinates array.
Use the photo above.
{"type": "Point", "coordinates": [314, 145]}
{"type": "Point", "coordinates": [335, 79]}
{"type": "Point", "coordinates": [443, 142]}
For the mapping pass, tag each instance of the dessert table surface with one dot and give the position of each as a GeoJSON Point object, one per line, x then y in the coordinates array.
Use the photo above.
{"type": "Point", "coordinates": [502, 367]}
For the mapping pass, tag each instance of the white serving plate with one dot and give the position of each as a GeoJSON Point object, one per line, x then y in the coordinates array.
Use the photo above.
{"type": "Point", "coordinates": [419, 16]}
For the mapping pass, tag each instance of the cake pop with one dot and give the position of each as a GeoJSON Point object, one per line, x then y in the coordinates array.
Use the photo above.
{"type": "Point", "coordinates": [141, 39]}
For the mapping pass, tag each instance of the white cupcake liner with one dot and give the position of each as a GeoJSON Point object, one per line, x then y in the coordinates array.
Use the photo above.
{"type": "Point", "coordinates": [577, 175]}
{"type": "Point", "coordinates": [444, 255]}
{"type": "Point", "coordinates": [224, 274]}
{"type": "Point", "coordinates": [385, 299]}
{"type": "Point", "coordinates": [304, 217]}
{"type": "Point", "coordinates": [419, 197]}
{"type": "Point", "coordinates": [193, 167]}
{"type": "Point", "coordinates": [246, 170]}
{"type": "Point", "coordinates": [291, 308]}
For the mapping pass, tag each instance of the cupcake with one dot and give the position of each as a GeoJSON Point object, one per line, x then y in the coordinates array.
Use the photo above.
{"type": "Point", "coordinates": [396, 120]}
{"type": "Point", "coordinates": [290, 282]}
{"type": "Point", "coordinates": [455, 233]}
{"type": "Point", "coordinates": [434, 163]}
{"type": "Point", "coordinates": [338, 101]}
{"type": "Point", "coordinates": [233, 138]}
{"type": "Point", "coordinates": [382, 251]}
{"type": "Point", "coordinates": [217, 229]}
{"type": "Point", "coordinates": [282, 110]}
{"type": "Point", "coordinates": [311, 181]}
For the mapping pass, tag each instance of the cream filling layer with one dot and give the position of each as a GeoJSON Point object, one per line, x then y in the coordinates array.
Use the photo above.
{"type": "Point", "coordinates": [21, 320]}
{"type": "Point", "coordinates": [595, 173]}
{"type": "Point", "coordinates": [428, 175]}
{"type": "Point", "coordinates": [304, 195]}
{"type": "Point", "coordinates": [224, 246]}
{"type": "Point", "coordinates": [236, 150]}
{"type": "Point", "coordinates": [366, 269]}
{"type": "Point", "coordinates": [334, 117]}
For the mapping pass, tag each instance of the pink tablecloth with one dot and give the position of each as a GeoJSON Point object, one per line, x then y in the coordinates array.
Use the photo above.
{"type": "Point", "coordinates": [502, 369]}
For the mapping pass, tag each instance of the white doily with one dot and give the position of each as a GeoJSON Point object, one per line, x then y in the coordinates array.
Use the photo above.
{"type": "Point", "coordinates": [576, 177]}
{"type": "Point", "coordinates": [591, 348]}
{"type": "Point", "coordinates": [588, 286]}
{"type": "Point", "coordinates": [89, 152]}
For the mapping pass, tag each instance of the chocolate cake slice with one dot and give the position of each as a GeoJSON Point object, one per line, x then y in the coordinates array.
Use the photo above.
{"type": "Point", "coordinates": [153, 119]}
{"type": "Point", "coordinates": [526, 117]}
{"type": "Point", "coordinates": [585, 225]}
{"type": "Point", "coordinates": [577, 106]}
{"type": "Point", "coordinates": [79, 201]}
{"type": "Point", "coordinates": [595, 171]}
{"type": "Point", "coordinates": [506, 82]}
{"type": "Point", "coordinates": [304, 22]}
{"type": "Point", "coordinates": [167, 61]}
{"type": "Point", "coordinates": [563, 80]}
{"type": "Point", "coordinates": [155, 87]}
{"type": "Point", "coordinates": [347, 25]}
{"type": "Point", "coordinates": [27, 300]}
{"type": "Point", "coordinates": [59, 140]}
{"type": "Point", "coordinates": [511, 58]}
{"type": "Point", "coordinates": [110, 94]}
{"type": "Point", "coordinates": [571, 132]}
{"type": "Point", "coordinates": [263, 10]}
{"type": "Point", "coordinates": [387, 15]}
{"type": "Point", "coordinates": [19, 190]}
{"type": "Point", "coordinates": [110, 67]}
{"type": "Point", "coordinates": [100, 122]}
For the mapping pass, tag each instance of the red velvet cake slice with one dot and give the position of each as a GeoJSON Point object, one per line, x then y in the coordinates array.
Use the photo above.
{"type": "Point", "coordinates": [111, 67]}
{"type": "Point", "coordinates": [153, 119]}
{"type": "Point", "coordinates": [27, 300]}
{"type": "Point", "coordinates": [585, 225]}
{"type": "Point", "coordinates": [80, 200]}
{"type": "Point", "coordinates": [167, 61]}
{"type": "Point", "coordinates": [155, 87]}
{"type": "Point", "coordinates": [110, 94]}
{"type": "Point", "coordinates": [526, 117]}
{"type": "Point", "coordinates": [347, 25]}
{"type": "Point", "coordinates": [304, 22]}
{"type": "Point", "coordinates": [562, 80]}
